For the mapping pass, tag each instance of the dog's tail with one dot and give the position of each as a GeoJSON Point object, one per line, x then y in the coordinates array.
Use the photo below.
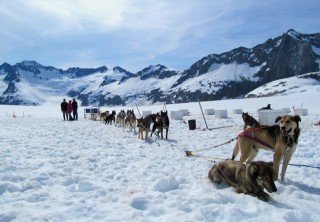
{"type": "Point", "coordinates": [235, 151]}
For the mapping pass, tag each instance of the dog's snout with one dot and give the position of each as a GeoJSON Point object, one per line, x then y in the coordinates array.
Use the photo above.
{"type": "Point", "coordinates": [283, 128]}
{"type": "Point", "coordinates": [275, 189]}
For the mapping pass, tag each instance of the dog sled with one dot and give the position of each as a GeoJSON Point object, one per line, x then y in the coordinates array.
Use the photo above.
{"type": "Point", "coordinates": [92, 113]}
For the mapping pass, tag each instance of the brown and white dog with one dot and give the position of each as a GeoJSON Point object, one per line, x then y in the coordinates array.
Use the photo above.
{"type": "Point", "coordinates": [251, 178]}
{"type": "Point", "coordinates": [282, 139]}
{"type": "Point", "coordinates": [144, 126]}
{"type": "Point", "coordinates": [120, 118]}
{"type": "Point", "coordinates": [130, 120]}
{"type": "Point", "coordinates": [103, 115]}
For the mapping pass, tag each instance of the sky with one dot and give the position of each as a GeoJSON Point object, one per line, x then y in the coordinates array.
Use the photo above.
{"type": "Point", "coordinates": [134, 34]}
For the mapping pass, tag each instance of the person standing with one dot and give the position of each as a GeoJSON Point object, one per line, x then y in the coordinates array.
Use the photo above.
{"type": "Point", "coordinates": [64, 106]}
{"type": "Point", "coordinates": [75, 109]}
{"type": "Point", "coordinates": [69, 110]}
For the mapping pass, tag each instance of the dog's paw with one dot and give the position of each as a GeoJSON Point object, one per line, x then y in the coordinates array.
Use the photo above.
{"type": "Point", "coordinates": [264, 197]}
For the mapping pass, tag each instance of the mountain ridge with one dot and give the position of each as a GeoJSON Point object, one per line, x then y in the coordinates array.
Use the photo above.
{"type": "Point", "coordinates": [231, 74]}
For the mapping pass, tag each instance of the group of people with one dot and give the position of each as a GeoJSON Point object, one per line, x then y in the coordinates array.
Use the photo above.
{"type": "Point", "coordinates": [68, 108]}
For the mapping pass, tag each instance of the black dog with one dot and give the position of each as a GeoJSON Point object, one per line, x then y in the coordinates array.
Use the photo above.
{"type": "Point", "coordinates": [165, 122]}
{"type": "Point", "coordinates": [110, 118]}
{"type": "Point", "coordinates": [161, 122]}
{"type": "Point", "coordinates": [249, 121]}
{"type": "Point", "coordinates": [266, 108]}
{"type": "Point", "coordinates": [152, 118]}
{"type": "Point", "coordinates": [158, 124]}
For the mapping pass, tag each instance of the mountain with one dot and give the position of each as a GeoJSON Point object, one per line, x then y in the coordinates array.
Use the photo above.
{"type": "Point", "coordinates": [120, 87]}
{"type": "Point", "coordinates": [231, 74]}
{"type": "Point", "coordinates": [235, 73]}
{"type": "Point", "coordinates": [30, 83]}
{"type": "Point", "coordinates": [307, 83]}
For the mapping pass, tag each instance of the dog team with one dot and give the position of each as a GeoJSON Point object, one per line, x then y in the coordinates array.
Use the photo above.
{"type": "Point", "coordinates": [246, 176]}
{"type": "Point", "coordinates": [160, 121]}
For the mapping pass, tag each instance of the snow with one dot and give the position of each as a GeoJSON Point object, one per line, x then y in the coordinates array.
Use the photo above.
{"type": "Point", "coordinates": [51, 170]}
{"type": "Point", "coordinates": [278, 43]}
{"type": "Point", "coordinates": [316, 50]}
{"type": "Point", "coordinates": [3, 85]}
{"type": "Point", "coordinates": [219, 74]}
{"type": "Point", "coordinates": [288, 86]}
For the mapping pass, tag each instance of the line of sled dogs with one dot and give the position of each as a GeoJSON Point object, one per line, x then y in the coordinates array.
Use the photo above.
{"type": "Point", "coordinates": [160, 122]}
{"type": "Point", "coordinates": [246, 176]}
{"type": "Point", "coordinates": [255, 176]}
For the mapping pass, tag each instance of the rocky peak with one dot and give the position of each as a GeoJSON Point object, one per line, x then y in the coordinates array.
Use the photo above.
{"type": "Point", "coordinates": [80, 72]}
{"type": "Point", "coordinates": [28, 63]}
{"type": "Point", "coordinates": [156, 71]}
{"type": "Point", "coordinates": [122, 70]}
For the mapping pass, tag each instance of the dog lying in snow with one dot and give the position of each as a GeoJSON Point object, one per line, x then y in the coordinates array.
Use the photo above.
{"type": "Point", "coordinates": [251, 178]}
{"type": "Point", "coordinates": [268, 107]}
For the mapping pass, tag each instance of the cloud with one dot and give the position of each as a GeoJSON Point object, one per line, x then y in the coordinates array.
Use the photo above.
{"type": "Point", "coordinates": [140, 32]}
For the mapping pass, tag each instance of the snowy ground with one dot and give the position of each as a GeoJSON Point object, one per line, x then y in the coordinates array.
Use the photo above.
{"type": "Point", "coordinates": [52, 170]}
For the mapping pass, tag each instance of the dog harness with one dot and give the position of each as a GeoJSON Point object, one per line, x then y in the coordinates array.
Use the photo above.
{"type": "Point", "coordinates": [249, 134]}
{"type": "Point", "coordinates": [232, 183]}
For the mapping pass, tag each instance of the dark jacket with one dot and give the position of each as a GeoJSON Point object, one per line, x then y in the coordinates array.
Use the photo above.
{"type": "Point", "coordinates": [74, 105]}
{"type": "Point", "coordinates": [64, 106]}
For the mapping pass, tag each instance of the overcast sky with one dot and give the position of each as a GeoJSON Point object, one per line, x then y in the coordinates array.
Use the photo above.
{"type": "Point", "coordinates": [136, 33]}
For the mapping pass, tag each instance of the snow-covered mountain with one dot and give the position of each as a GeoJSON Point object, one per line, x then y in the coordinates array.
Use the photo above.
{"type": "Point", "coordinates": [235, 73]}
{"type": "Point", "coordinates": [231, 74]}
{"type": "Point", "coordinates": [308, 83]}
{"type": "Point", "coordinates": [30, 83]}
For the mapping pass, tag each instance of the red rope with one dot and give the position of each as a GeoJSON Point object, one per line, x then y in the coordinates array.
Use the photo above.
{"type": "Point", "coordinates": [249, 134]}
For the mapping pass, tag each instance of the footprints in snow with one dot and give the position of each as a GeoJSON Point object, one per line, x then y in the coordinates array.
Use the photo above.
{"type": "Point", "coordinates": [166, 184]}
{"type": "Point", "coordinates": [139, 203]}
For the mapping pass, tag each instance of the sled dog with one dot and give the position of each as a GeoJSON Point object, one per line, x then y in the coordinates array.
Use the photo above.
{"type": "Point", "coordinates": [110, 118]}
{"type": "Point", "coordinates": [249, 121]}
{"type": "Point", "coordinates": [251, 178]}
{"type": "Point", "coordinates": [130, 120]}
{"type": "Point", "coordinates": [144, 126]}
{"type": "Point", "coordinates": [282, 139]}
{"type": "Point", "coordinates": [120, 118]}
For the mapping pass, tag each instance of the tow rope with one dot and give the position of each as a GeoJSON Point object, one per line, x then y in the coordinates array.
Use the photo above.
{"type": "Point", "coordinates": [191, 153]}
{"type": "Point", "coordinates": [213, 159]}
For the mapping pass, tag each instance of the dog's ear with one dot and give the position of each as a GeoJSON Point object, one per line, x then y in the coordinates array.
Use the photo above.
{"type": "Point", "coordinates": [252, 169]}
{"type": "Point", "coordinates": [278, 118]}
{"type": "Point", "coordinates": [297, 118]}
{"type": "Point", "coordinates": [269, 164]}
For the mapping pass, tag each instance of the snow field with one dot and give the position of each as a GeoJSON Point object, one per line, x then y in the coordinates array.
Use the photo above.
{"type": "Point", "coordinates": [51, 170]}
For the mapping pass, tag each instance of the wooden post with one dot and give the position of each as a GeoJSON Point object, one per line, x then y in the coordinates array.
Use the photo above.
{"type": "Point", "coordinates": [203, 114]}
{"type": "Point", "coordinates": [164, 108]}
{"type": "Point", "coordinates": [138, 111]}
